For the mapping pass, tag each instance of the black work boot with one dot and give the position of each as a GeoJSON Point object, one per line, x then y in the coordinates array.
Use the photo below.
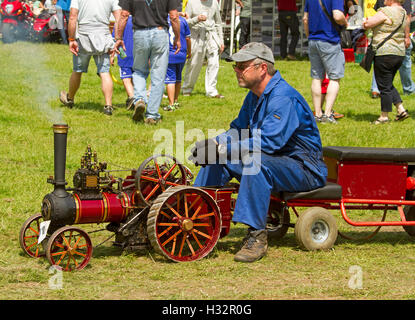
{"type": "Point", "coordinates": [254, 246]}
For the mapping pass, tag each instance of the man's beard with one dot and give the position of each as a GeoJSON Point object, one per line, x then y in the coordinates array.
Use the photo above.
{"type": "Point", "coordinates": [243, 83]}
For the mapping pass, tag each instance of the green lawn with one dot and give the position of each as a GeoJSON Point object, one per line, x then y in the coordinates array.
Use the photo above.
{"type": "Point", "coordinates": [30, 80]}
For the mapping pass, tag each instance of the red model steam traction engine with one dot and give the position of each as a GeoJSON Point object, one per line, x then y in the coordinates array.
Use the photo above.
{"type": "Point", "coordinates": [155, 206]}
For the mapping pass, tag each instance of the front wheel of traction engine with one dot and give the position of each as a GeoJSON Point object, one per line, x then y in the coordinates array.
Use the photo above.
{"type": "Point", "coordinates": [29, 234]}
{"type": "Point", "coordinates": [69, 248]}
{"type": "Point", "coordinates": [316, 229]}
{"type": "Point", "coordinates": [184, 224]}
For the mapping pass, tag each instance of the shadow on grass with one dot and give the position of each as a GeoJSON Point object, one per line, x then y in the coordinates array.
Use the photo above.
{"type": "Point", "coordinates": [93, 106]}
{"type": "Point", "coordinates": [233, 241]}
{"type": "Point", "coordinates": [360, 238]}
{"type": "Point", "coordinates": [195, 93]}
{"type": "Point", "coordinates": [369, 117]}
{"type": "Point", "coordinates": [115, 251]}
{"type": "Point", "coordinates": [231, 244]}
{"type": "Point", "coordinates": [107, 251]}
{"type": "Point", "coordinates": [363, 117]}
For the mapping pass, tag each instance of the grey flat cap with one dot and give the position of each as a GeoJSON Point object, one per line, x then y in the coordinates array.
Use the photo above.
{"type": "Point", "coordinates": [253, 50]}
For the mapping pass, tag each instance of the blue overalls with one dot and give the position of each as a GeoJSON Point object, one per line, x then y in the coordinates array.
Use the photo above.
{"type": "Point", "coordinates": [283, 146]}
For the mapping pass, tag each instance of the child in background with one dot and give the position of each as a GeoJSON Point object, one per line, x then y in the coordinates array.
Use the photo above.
{"type": "Point", "coordinates": [176, 63]}
{"type": "Point", "coordinates": [126, 64]}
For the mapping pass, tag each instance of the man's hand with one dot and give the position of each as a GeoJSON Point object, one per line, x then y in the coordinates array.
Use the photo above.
{"type": "Point", "coordinates": [73, 47]}
{"type": "Point", "coordinates": [201, 17]}
{"type": "Point", "coordinates": [205, 152]}
{"type": "Point", "coordinates": [184, 15]}
{"type": "Point", "coordinates": [73, 20]}
{"type": "Point", "coordinates": [112, 56]}
{"type": "Point", "coordinates": [177, 45]}
{"type": "Point", "coordinates": [119, 43]}
{"type": "Point", "coordinates": [222, 47]}
{"type": "Point", "coordinates": [121, 19]}
{"type": "Point", "coordinates": [189, 47]}
{"type": "Point", "coordinates": [407, 42]}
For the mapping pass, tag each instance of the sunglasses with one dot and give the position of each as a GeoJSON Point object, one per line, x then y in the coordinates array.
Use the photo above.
{"type": "Point", "coordinates": [244, 68]}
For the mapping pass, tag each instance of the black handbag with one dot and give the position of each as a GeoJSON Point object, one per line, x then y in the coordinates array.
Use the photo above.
{"type": "Point", "coordinates": [345, 37]}
{"type": "Point", "coordinates": [367, 59]}
{"type": "Point", "coordinates": [370, 54]}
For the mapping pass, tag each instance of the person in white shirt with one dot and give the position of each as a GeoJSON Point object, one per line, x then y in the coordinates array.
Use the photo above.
{"type": "Point", "coordinates": [207, 42]}
{"type": "Point", "coordinates": [90, 36]}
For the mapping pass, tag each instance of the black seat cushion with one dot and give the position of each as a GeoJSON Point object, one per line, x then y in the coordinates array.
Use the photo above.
{"type": "Point", "coordinates": [367, 153]}
{"type": "Point", "coordinates": [331, 191]}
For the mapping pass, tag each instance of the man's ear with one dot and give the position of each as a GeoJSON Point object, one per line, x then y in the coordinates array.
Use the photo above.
{"type": "Point", "coordinates": [264, 68]}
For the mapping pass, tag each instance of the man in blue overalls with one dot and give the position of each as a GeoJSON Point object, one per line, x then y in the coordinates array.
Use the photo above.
{"type": "Point", "coordinates": [273, 145]}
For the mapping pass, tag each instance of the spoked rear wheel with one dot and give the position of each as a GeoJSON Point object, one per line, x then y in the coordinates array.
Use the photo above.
{"type": "Point", "coordinates": [184, 224]}
{"type": "Point", "coordinates": [157, 174]}
{"type": "Point", "coordinates": [29, 234]}
{"type": "Point", "coordinates": [69, 248]}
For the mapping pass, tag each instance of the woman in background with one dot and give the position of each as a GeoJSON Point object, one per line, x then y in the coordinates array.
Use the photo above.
{"type": "Point", "coordinates": [389, 56]}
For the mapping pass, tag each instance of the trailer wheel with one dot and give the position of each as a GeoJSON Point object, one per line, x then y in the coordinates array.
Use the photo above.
{"type": "Point", "coordinates": [29, 234]}
{"type": "Point", "coordinates": [278, 220]}
{"type": "Point", "coordinates": [184, 224]}
{"type": "Point", "coordinates": [316, 229]}
{"type": "Point", "coordinates": [157, 174]}
{"type": "Point", "coordinates": [69, 248]}
{"type": "Point", "coordinates": [410, 216]}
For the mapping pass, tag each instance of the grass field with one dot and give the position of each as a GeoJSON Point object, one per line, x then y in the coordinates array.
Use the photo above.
{"type": "Point", "coordinates": [30, 80]}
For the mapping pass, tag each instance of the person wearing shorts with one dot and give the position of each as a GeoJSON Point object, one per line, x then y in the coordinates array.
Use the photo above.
{"type": "Point", "coordinates": [325, 53]}
{"type": "Point", "coordinates": [173, 79]}
{"type": "Point", "coordinates": [89, 36]}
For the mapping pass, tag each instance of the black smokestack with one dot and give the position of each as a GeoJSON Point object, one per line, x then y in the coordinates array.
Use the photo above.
{"type": "Point", "coordinates": [59, 206]}
{"type": "Point", "coordinates": [60, 137]}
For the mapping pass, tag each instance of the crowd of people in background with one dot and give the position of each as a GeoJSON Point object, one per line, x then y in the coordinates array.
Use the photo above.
{"type": "Point", "coordinates": [55, 10]}
{"type": "Point", "coordinates": [148, 38]}
{"type": "Point", "coordinates": [169, 41]}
